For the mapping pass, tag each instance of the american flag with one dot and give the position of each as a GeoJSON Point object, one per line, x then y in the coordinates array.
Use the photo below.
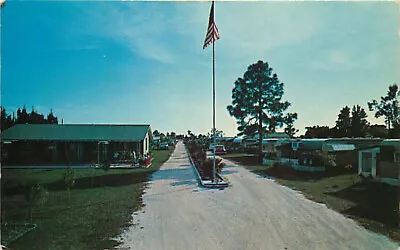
{"type": "Point", "coordinates": [212, 31]}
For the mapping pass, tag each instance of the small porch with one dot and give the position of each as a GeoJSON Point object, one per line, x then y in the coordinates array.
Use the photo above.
{"type": "Point", "coordinates": [42, 153]}
{"type": "Point", "coordinates": [381, 163]}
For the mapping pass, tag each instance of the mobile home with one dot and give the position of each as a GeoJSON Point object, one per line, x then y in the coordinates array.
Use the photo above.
{"type": "Point", "coordinates": [381, 163]}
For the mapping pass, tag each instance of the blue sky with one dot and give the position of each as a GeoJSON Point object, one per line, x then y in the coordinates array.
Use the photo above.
{"type": "Point", "coordinates": [143, 62]}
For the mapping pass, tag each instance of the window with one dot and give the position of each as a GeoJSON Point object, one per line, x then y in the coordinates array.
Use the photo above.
{"type": "Point", "coordinates": [387, 153]}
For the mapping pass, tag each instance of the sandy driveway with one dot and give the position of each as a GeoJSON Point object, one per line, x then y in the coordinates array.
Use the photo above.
{"type": "Point", "coordinates": [254, 213]}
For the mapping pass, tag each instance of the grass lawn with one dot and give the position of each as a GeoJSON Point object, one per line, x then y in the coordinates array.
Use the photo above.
{"type": "Point", "coordinates": [88, 218]}
{"type": "Point", "coordinates": [373, 205]}
{"type": "Point", "coordinates": [248, 160]}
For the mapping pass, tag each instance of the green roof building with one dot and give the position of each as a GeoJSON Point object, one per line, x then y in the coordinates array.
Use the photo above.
{"type": "Point", "coordinates": [33, 144]}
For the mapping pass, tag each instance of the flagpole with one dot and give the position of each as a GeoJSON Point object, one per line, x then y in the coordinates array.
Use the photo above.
{"type": "Point", "coordinates": [213, 61]}
{"type": "Point", "coordinates": [211, 36]}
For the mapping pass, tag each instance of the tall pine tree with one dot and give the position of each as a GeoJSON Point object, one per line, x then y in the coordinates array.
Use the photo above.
{"type": "Point", "coordinates": [359, 124]}
{"type": "Point", "coordinates": [343, 122]}
{"type": "Point", "coordinates": [51, 119]}
{"type": "Point", "coordinates": [257, 102]}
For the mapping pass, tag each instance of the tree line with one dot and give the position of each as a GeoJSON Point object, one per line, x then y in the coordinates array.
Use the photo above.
{"type": "Point", "coordinates": [190, 134]}
{"type": "Point", "coordinates": [353, 122]}
{"type": "Point", "coordinates": [23, 117]}
{"type": "Point", "coordinates": [160, 134]}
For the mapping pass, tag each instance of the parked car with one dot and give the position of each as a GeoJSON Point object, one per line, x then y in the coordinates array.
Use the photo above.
{"type": "Point", "coordinates": [212, 146]}
{"type": "Point", "coordinates": [220, 149]}
{"type": "Point", "coordinates": [164, 146]}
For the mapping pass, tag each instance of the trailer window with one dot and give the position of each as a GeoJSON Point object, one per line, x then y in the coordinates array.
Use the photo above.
{"type": "Point", "coordinates": [387, 153]}
{"type": "Point", "coordinates": [397, 157]}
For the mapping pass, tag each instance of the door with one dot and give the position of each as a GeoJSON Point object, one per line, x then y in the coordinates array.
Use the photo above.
{"type": "Point", "coordinates": [366, 162]}
{"type": "Point", "coordinates": [378, 167]}
{"type": "Point", "coordinates": [102, 152]}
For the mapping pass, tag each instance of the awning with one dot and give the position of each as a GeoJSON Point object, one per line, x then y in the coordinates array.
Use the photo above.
{"type": "Point", "coordinates": [340, 147]}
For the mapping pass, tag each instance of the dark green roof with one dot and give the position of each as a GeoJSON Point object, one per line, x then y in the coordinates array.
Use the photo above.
{"type": "Point", "coordinates": [72, 132]}
{"type": "Point", "coordinates": [312, 144]}
{"type": "Point", "coordinates": [391, 142]}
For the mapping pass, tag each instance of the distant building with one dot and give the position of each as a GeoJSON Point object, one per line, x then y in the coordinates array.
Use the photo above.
{"type": "Point", "coordinates": [269, 143]}
{"type": "Point", "coordinates": [326, 144]}
{"type": "Point", "coordinates": [276, 135]}
{"type": "Point", "coordinates": [52, 144]}
{"type": "Point", "coordinates": [344, 149]}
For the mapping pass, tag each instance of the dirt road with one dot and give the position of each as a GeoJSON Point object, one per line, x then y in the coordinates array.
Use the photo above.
{"type": "Point", "coordinates": [254, 213]}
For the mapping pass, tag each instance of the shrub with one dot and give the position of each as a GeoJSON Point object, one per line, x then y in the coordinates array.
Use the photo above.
{"type": "Point", "coordinates": [317, 158]}
{"type": "Point", "coordinates": [196, 152]}
{"type": "Point", "coordinates": [271, 155]}
{"type": "Point", "coordinates": [69, 179]}
{"type": "Point", "coordinates": [209, 163]}
{"type": "Point", "coordinates": [281, 164]}
{"type": "Point", "coordinates": [35, 196]}
{"type": "Point", "coordinates": [202, 163]}
{"type": "Point", "coordinates": [105, 166]}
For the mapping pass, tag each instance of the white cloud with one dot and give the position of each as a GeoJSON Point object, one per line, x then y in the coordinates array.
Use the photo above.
{"type": "Point", "coordinates": [251, 28]}
{"type": "Point", "coordinates": [342, 60]}
{"type": "Point", "coordinates": [338, 58]}
{"type": "Point", "coordinates": [140, 31]}
{"type": "Point", "coordinates": [248, 29]}
{"type": "Point", "coordinates": [258, 26]}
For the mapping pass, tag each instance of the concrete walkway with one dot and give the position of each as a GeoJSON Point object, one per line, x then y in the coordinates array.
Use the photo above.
{"type": "Point", "coordinates": [254, 213]}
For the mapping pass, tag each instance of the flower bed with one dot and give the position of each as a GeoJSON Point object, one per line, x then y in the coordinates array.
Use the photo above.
{"type": "Point", "coordinates": [203, 164]}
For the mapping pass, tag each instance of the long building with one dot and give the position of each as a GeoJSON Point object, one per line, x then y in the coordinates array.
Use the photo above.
{"type": "Point", "coordinates": [52, 144]}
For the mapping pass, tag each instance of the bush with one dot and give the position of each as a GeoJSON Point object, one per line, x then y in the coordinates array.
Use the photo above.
{"type": "Point", "coordinates": [281, 164]}
{"type": "Point", "coordinates": [203, 164]}
{"type": "Point", "coordinates": [271, 155]}
{"type": "Point", "coordinates": [317, 158]}
{"type": "Point", "coordinates": [35, 196]}
{"type": "Point", "coordinates": [105, 166]}
{"type": "Point", "coordinates": [207, 167]}
{"type": "Point", "coordinates": [69, 179]}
